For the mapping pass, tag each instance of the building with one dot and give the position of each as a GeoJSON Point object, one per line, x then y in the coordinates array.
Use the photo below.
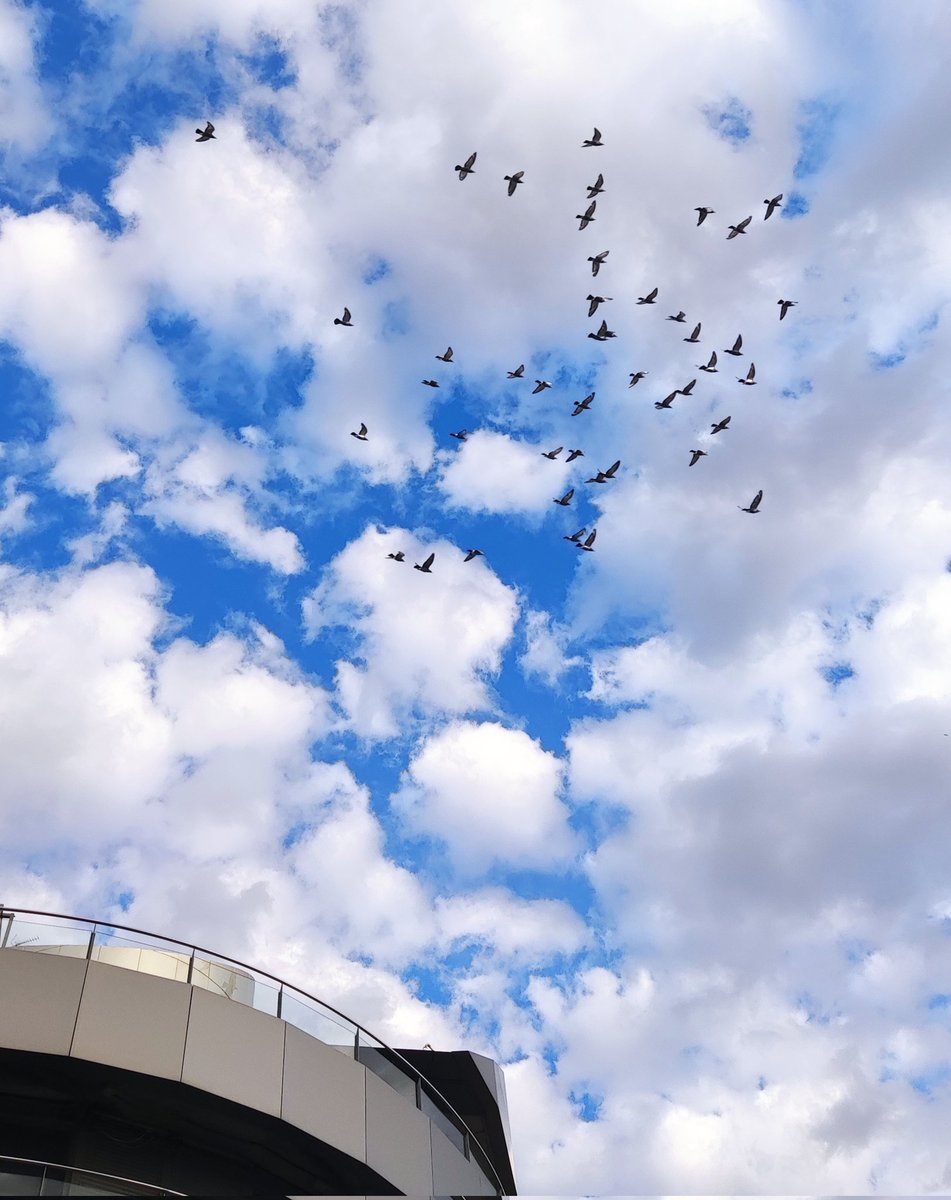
{"type": "Point", "coordinates": [133, 1064]}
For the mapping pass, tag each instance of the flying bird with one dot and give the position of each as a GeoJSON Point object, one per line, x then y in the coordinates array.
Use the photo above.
{"type": "Point", "coordinates": [427, 565]}
{"type": "Point", "coordinates": [704, 213]}
{"type": "Point", "coordinates": [471, 554]}
{"type": "Point", "coordinates": [685, 391]}
{"type": "Point", "coordinates": [612, 470]}
{"type": "Point", "coordinates": [696, 455]}
{"type": "Point", "coordinates": [636, 377]}
{"type": "Point", "coordinates": [597, 261]}
{"type": "Point", "coordinates": [750, 379]}
{"type": "Point", "coordinates": [513, 181]}
{"type": "Point", "coordinates": [595, 301]}
{"type": "Point", "coordinates": [588, 543]}
{"type": "Point", "coordinates": [720, 426]}
{"type": "Point", "coordinates": [206, 134]}
{"type": "Point", "coordinates": [467, 167]}
{"type": "Point", "coordinates": [667, 400]}
{"type": "Point", "coordinates": [596, 188]}
{"type": "Point", "coordinates": [462, 435]}
{"type": "Point", "coordinates": [695, 336]}
{"type": "Point", "coordinates": [594, 140]}
{"type": "Point", "coordinates": [679, 317]}
{"type": "Point", "coordinates": [447, 357]}
{"type": "Point", "coordinates": [711, 366]}
{"type": "Point", "coordinates": [603, 333]}
{"type": "Point", "coordinates": [362, 435]}
{"type": "Point", "coordinates": [754, 503]}
{"type": "Point", "coordinates": [431, 382]}
{"type": "Point", "coordinates": [741, 228]}
{"type": "Point", "coordinates": [518, 373]}
{"type": "Point", "coordinates": [399, 556]}
{"type": "Point", "coordinates": [772, 205]}
{"type": "Point", "coordinates": [583, 405]}
{"type": "Point", "coordinates": [540, 385]}
{"type": "Point", "coordinates": [566, 498]}
{"type": "Point", "coordinates": [345, 319]}
{"type": "Point", "coordinates": [588, 216]}
{"type": "Point", "coordinates": [736, 347]}
{"type": "Point", "coordinates": [573, 454]}
{"type": "Point", "coordinates": [785, 306]}
{"type": "Point", "coordinates": [575, 537]}
{"type": "Point", "coordinates": [600, 477]}
{"type": "Point", "coordinates": [649, 298]}
{"type": "Point", "coordinates": [552, 454]}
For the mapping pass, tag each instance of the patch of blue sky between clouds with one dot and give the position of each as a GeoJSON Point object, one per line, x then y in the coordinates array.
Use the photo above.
{"type": "Point", "coordinates": [588, 1105]}
{"type": "Point", "coordinates": [928, 1082]}
{"type": "Point", "coordinates": [795, 205]}
{"type": "Point", "coordinates": [816, 129]}
{"type": "Point", "coordinates": [801, 387]}
{"type": "Point", "coordinates": [939, 1002]}
{"type": "Point", "coordinates": [376, 269]}
{"type": "Point", "coordinates": [730, 120]}
{"type": "Point", "coordinates": [837, 673]}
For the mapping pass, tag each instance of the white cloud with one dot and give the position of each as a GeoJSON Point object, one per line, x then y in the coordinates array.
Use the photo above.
{"type": "Point", "coordinates": [495, 473]}
{"type": "Point", "coordinates": [25, 121]}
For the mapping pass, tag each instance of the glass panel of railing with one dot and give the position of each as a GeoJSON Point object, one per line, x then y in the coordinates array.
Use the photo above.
{"type": "Point", "coordinates": [379, 1060]}
{"type": "Point", "coordinates": [265, 994]}
{"type": "Point", "coordinates": [51, 935]}
{"type": "Point", "coordinates": [326, 1026]}
{"type": "Point", "coordinates": [442, 1120]}
{"type": "Point", "coordinates": [141, 952]}
{"type": "Point", "coordinates": [20, 1181]}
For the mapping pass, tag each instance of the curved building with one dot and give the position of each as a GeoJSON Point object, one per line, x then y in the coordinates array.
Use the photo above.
{"type": "Point", "coordinates": [132, 1064]}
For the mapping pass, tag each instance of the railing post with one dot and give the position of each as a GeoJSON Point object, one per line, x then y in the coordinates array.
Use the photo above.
{"type": "Point", "coordinates": [280, 1000]}
{"type": "Point", "coordinates": [356, 1045]}
{"type": "Point", "coordinates": [419, 1093]}
{"type": "Point", "coordinates": [466, 1148]}
{"type": "Point", "coordinates": [91, 943]}
{"type": "Point", "coordinates": [8, 917]}
{"type": "Point", "coordinates": [191, 966]}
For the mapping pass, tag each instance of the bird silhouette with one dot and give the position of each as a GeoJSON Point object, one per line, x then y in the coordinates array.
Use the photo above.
{"type": "Point", "coordinates": [649, 298]}
{"type": "Point", "coordinates": [603, 333]}
{"type": "Point", "coordinates": [720, 426]}
{"type": "Point", "coordinates": [735, 229]}
{"type": "Point", "coordinates": [566, 498]}
{"type": "Point", "coordinates": [785, 306]}
{"type": "Point", "coordinates": [471, 554]}
{"type": "Point", "coordinates": [573, 454]}
{"type": "Point", "coordinates": [695, 336]}
{"type": "Point", "coordinates": [399, 556]}
{"type": "Point", "coordinates": [750, 379]}
{"type": "Point", "coordinates": [711, 366]}
{"type": "Point", "coordinates": [696, 455]}
{"type": "Point", "coordinates": [426, 567]}
{"type": "Point", "coordinates": [588, 216]}
{"type": "Point", "coordinates": [754, 503]}
{"type": "Point", "coordinates": [595, 301]}
{"type": "Point", "coordinates": [518, 373]}
{"type": "Point", "coordinates": [462, 435]}
{"type": "Point", "coordinates": [583, 405]}
{"type": "Point", "coordinates": [772, 205]}
{"type": "Point", "coordinates": [596, 188]}
{"type": "Point", "coordinates": [594, 140]}
{"type": "Point", "coordinates": [431, 382]}
{"type": "Point", "coordinates": [599, 477]}
{"type": "Point", "coordinates": [362, 435]}
{"type": "Point", "coordinates": [467, 167]}
{"type": "Point", "coordinates": [688, 388]}
{"type": "Point", "coordinates": [513, 181]}
{"type": "Point", "coordinates": [704, 213]}
{"type": "Point", "coordinates": [575, 537]}
{"type": "Point", "coordinates": [681, 316]}
{"type": "Point", "coordinates": [345, 319]}
{"type": "Point", "coordinates": [636, 377]}
{"type": "Point", "coordinates": [736, 350]}
{"type": "Point", "coordinates": [206, 134]}
{"type": "Point", "coordinates": [540, 385]}
{"type": "Point", "coordinates": [552, 454]}
{"type": "Point", "coordinates": [667, 400]}
{"type": "Point", "coordinates": [604, 476]}
{"type": "Point", "coordinates": [597, 261]}
{"type": "Point", "coordinates": [447, 357]}
{"type": "Point", "coordinates": [588, 543]}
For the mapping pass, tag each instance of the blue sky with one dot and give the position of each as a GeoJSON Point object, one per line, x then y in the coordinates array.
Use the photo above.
{"type": "Point", "coordinates": [609, 817]}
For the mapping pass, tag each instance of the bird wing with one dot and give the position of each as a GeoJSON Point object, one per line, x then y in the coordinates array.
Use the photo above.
{"type": "Point", "coordinates": [428, 562]}
{"type": "Point", "coordinates": [513, 184]}
{"type": "Point", "coordinates": [652, 295]}
{"type": "Point", "coordinates": [751, 373]}
{"type": "Point", "coordinates": [346, 314]}
{"type": "Point", "coordinates": [696, 332]}
{"type": "Point", "coordinates": [589, 540]}
{"type": "Point", "coordinates": [363, 429]}
{"type": "Point", "coordinates": [713, 359]}
{"type": "Point", "coordinates": [575, 536]}
{"type": "Point", "coordinates": [470, 161]}
{"type": "Point", "coordinates": [567, 496]}
{"type": "Point", "coordinates": [209, 128]}
{"type": "Point", "coordinates": [611, 470]}
{"type": "Point", "coordinates": [603, 330]}
{"type": "Point", "coordinates": [597, 134]}
{"type": "Point", "coordinates": [743, 224]}
{"type": "Point", "coordinates": [738, 343]}
{"type": "Point", "coordinates": [590, 210]}
{"type": "Point", "coordinates": [754, 504]}
{"type": "Point", "coordinates": [592, 307]}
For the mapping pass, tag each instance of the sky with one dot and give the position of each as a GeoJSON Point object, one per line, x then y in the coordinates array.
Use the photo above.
{"type": "Point", "coordinates": [662, 828]}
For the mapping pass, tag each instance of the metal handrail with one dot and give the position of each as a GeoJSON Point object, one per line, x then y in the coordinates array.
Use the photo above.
{"type": "Point", "coordinates": [469, 1138]}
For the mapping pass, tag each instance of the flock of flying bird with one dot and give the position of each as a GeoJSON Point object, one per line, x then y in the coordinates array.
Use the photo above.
{"type": "Point", "coordinates": [603, 333]}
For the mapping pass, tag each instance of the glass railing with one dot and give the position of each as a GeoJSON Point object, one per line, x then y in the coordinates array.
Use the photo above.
{"type": "Point", "coordinates": [137, 950]}
{"type": "Point", "coordinates": [30, 1177]}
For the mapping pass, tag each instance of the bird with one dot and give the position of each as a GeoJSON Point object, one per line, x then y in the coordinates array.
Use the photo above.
{"type": "Point", "coordinates": [681, 315]}
{"type": "Point", "coordinates": [599, 477]}
{"type": "Point", "coordinates": [595, 301]}
{"type": "Point", "coordinates": [750, 379]}
{"type": "Point", "coordinates": [427, 565]}
{"type": "Point", "coordinates": [785, 306]}
{"type": "Point", "coordinates": [588, 543]}
{"type": "Point", "coordinates": [649, 298]}
{"type": "Point", "coordinates": [594, 140]}
{"type": "Point", "coordinates": [583, 405]}
{"type": "Point", "coordinates": [518, 373]}
{"type": "Point", "coordinates": [696, 455]}
{"type": "Point", "coordinates": [597, 261]}
{"type": "Point", "coordinates": [467, 167]}
{"type": "Point", "coordinates": [345, 319]}
{"type": "Point", "coordinates": [399, 556]}
{"type": "Point", "coordinates": [720, 426]}
{"type": "Point", "coordinates": [704, 213]}
{"type": "Point", "coordinates": [711, 366]}
{"type": "Point", "coordinates": [754, 503]}
{"type": "Point", "coordinates": [462, 435]}
{"type": "Point", "coordinates": [471, 554]}
{"type": "Point", "coordinates": [362, 435]}
{"type": "Point", "coordinates": [695, 336]}
{"type": "Point", "coordinates": [566, 498]}
{"type": "Point", "coordinates": [540, 385]}
{"type": "Point", "coordinates": [596, 188]}
{"type": "Point", "coordinates": [552, 454]}
{"type": "Point", "coordinates": [772, 205]}
{"type": "Point", "coordinates": [588, 216]}
{"type": "Point", "coordinates": [513, 181]}
{"type": "Point", "coordinates": [741, 228]}
{"type": "Point", "coordinates": [736, 347]}
{"type": "Point", "coordinates": [667, 400]}
{"type": "Point", "coordinates": [603, 333]}
{"type": "Point", "coordinates": [206, 134]}
{"type": "Point", "coordinates": [573, 454]}
{"type": "Point", "coordinates": [431, 382]}
{"type": "Point", "coordinates": [636, 377]}
{"type": "Point", "coordinates": [575, 537]}
{"type": "Point", "coordinates": [685, 391]}
{"type": "Point", "coordinates": [447, 357]}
